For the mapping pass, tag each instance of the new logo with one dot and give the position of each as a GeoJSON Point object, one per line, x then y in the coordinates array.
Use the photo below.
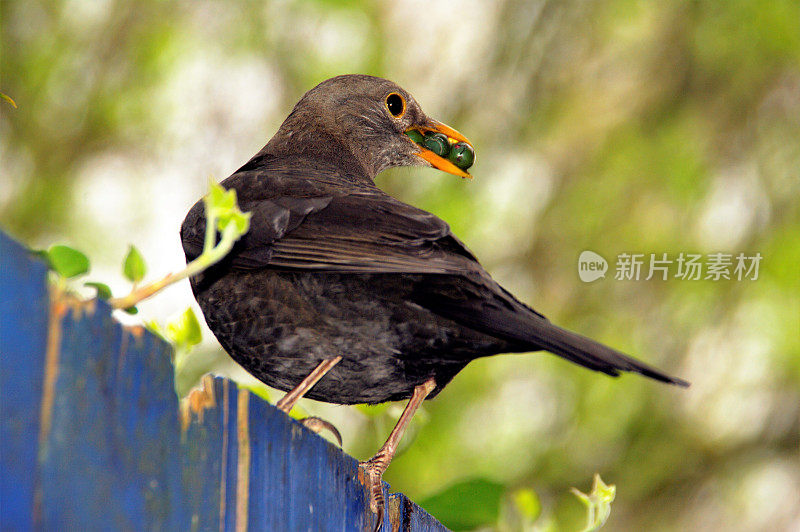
{"type": "Point", "coordinates": [591, 266]}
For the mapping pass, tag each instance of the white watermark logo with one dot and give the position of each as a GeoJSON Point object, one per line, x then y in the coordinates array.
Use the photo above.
{"type": "Point", "coordinates": [663, 266]}
{"type": "Point", "coordinates": [591, 266]}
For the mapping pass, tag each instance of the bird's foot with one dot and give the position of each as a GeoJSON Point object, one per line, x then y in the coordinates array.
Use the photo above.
{"type": "Point", "coordinates": [373, 476]}
{"type": "Point", "coordinates": [317, 425]}
{"type": "Point", "coordinates": [375, 467]}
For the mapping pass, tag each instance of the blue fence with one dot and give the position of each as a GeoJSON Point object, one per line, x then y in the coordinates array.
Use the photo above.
{"type": "Point", "coordinates": [92, 437]}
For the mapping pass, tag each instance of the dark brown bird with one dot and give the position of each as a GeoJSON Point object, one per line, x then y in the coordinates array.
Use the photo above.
{"type": "Point", "coordinates": [342, 293]}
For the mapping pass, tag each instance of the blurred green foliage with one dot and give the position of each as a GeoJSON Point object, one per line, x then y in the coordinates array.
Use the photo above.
{"type": "Point", "coordinates": [468, 504]}
{"type": "Point", "coordinates": [618, 126]}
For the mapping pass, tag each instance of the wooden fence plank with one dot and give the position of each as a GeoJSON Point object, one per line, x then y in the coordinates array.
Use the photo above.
{"type": "Point", "coordinates": [23, 340]}
{"type": "Point", "coordinates": [95, 441]}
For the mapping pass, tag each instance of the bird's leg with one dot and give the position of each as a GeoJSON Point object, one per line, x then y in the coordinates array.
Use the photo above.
{"type": "Point", "coordinates": [376, 466]}
{"type": "Point", "coordinates": [288, 401]}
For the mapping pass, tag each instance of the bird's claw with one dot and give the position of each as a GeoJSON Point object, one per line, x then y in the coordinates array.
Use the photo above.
{"type": "Point", "coordinates": [373, 470]}
{"type": "Point", "coordinates": [317, 425]}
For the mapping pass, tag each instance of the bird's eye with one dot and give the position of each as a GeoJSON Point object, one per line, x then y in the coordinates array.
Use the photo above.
{"type": "Point", "coordinates": [396, 104]}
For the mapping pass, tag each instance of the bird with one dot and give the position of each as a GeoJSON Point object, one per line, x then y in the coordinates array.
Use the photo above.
{"type": "Point", "coordinates": [342, 293]}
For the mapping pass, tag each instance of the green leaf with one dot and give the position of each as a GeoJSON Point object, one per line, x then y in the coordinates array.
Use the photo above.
{"type": "Point", "coordinates": [222, 207]}
{"type": "Point", "coordinates": [466, 505]}
{"type": "Point", "coordinates": [239, 219]}
{"type": "Point", "coordinates": [131, 310]}
{"type": "Point", "coordinates": [597, 502]}
{"type": "Point", "coordinates": [219, 201]}
{"type": "Point", "coordinates": [134, 267]}
{"type": "Point", "coordinates": [185, 331]}
{"type": "Point", "coordinates": [66, 261]}
{"type": "Point", "coordinates": [103, 291]}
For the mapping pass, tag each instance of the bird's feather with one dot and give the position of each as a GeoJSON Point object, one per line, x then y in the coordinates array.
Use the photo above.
{"type": "Point", "coordinates": [364, 231]}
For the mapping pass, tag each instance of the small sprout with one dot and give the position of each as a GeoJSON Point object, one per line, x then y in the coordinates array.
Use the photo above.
{"type": "Point", "coordinates": [67, 262]}
{"type": "Point", "coordinates": [103, 291]}
{"type": "Point", "coordinates": [134, 267]}
{"type": "Point", "coordinates": [219, 201]}
{"type": "Point", "coordinates": [221, 207]}
{"type": "Point", "coordinates": [597, 502]}
{"type": "Point", "coordinates": [237, 220]}
{"type": "Point", "coordinates": [184, 332]}
{"type": "Point", "coordinates": [223, 216]}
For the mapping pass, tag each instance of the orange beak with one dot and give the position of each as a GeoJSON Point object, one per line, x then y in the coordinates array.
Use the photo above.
{"type": "Point", "coordinates": [434, 160]}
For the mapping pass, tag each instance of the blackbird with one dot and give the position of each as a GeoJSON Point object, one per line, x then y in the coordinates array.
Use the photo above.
{"type": "Point", "coordinates": [340, 292]}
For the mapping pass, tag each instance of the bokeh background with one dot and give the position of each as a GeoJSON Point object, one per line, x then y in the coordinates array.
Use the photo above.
{"type": "Point", "coordinates": [613, 126]}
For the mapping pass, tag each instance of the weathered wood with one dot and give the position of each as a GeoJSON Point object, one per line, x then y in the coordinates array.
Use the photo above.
{"type": "Point", "coordinates": [91, 434]}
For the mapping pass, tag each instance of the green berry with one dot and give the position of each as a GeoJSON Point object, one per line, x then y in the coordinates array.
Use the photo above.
{"type": "Point", "coordinates": [415, 135]}
{"type": "Point", "coordinates": [437, 143]}
{"type": "Point", "coordinates": [462, 155]}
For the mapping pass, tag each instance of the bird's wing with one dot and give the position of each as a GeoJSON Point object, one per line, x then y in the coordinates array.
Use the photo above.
{"type": "Point", "coordinates": [364, 231]}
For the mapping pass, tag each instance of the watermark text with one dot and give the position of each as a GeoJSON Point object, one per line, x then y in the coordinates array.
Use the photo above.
{"type": "Point", "coordinates": [664, 266]}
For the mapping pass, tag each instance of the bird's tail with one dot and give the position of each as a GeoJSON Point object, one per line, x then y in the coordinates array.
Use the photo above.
{"type": "Point", "coordinates": [589, 353]}
{"type": "Point", "coordinates": [526, 330]}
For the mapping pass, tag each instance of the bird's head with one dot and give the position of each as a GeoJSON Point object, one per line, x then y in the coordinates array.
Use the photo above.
{"type": "Point", "coordinates": [373, 119]}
